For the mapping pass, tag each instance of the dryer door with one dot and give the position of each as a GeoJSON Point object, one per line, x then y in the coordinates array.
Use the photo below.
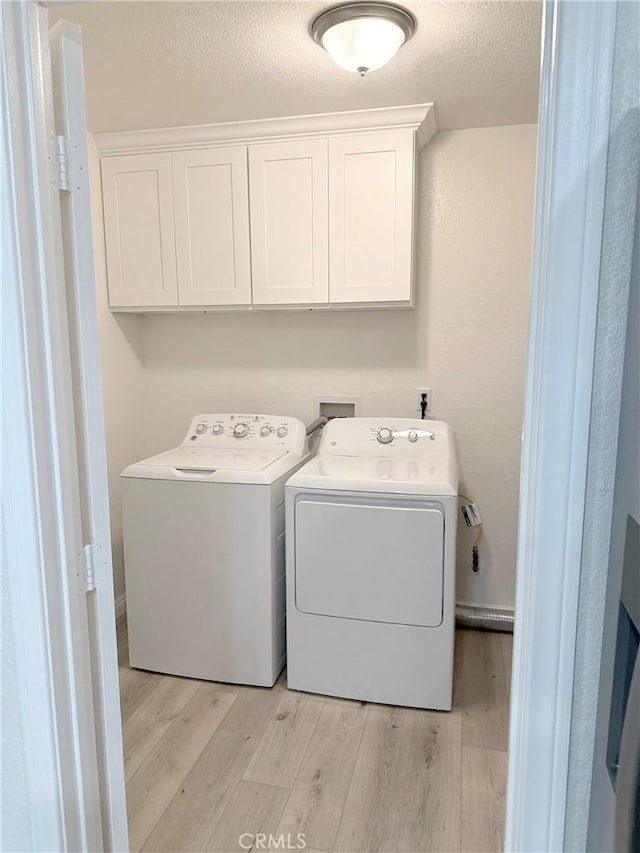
{"type": "Point", "coordinates": [369, 561]}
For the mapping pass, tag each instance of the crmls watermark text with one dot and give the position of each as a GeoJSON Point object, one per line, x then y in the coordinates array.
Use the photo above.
{"type": "Point", "coordinates": [262, 841]}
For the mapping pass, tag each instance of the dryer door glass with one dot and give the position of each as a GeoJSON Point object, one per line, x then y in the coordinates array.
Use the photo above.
{"type": "Point", "coordinates": [370, 562]}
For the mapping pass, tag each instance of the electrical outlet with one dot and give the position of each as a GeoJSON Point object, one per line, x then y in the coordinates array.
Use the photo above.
{"type": "Point", "coordinates": [426, 398]}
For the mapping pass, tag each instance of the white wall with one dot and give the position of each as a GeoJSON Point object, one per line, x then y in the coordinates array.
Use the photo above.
{"type": "Point", "coordinates": [466, 339]}
{"type": "Point", "coordinates": [122, 377]}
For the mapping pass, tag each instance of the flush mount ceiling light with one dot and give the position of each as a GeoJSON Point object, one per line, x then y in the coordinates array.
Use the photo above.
{"type": "Point", "coordinates": [363, 37]}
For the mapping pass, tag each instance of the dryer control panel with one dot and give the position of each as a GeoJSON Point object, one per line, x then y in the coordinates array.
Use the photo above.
{"type": "Point", "coordinates": [249, 430]}
{"type": "Point", "coordinates": [401, 437]}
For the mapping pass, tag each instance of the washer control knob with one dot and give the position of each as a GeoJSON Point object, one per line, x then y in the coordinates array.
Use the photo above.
{"type": "Point", "coordinates": [217, 429]}
{"type": "Point", "coordinates": [201, 428]}
{"type": "Point", "coordinates": [385, 435]}
{"type": "Point", "coordinates": [413, 435]}
{"type": "Point", "coordinates": [240, 430]}
{"type": "Point", "coordinates": [282, 431]}
{"type": "Point", "coordinates": [265, 431]}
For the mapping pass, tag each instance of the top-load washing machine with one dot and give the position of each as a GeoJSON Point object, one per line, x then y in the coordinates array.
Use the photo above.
{"type": "Point", "coordinates": [204, 554]}
{"type": "Point", "coordinates": [371, 539]}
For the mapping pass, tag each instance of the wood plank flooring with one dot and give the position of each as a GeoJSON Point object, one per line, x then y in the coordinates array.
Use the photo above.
{"type": "Point", "coordinates": [205, 763]}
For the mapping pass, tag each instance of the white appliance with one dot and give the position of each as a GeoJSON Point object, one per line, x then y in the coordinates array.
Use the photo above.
{"type": "Point", "coordinates": [371, 538]}
{"type": "Point", "coordinates": [204, 549]}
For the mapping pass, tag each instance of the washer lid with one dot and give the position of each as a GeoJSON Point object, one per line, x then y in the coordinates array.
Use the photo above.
{"type": "Point", "coordinates": [213, 464]}
{"type": "Point", "coordinates": [401, 475]}
{"type": "Point", "coordinates": [208, 459]}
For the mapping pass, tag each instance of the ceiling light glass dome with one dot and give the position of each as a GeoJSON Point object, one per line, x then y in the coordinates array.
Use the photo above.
{"type": "Point", "coordinates": [363, 37]}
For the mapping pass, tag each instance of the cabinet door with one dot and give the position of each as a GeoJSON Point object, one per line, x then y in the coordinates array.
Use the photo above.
{"type": "Point", "coordinates": [211, 205]}
{"type": "Point", "coordinates": [138, 223]}
{"type": "Point", "coordinates": [288, 188]}
{"type": "Point", "coordinates": [371, 189]}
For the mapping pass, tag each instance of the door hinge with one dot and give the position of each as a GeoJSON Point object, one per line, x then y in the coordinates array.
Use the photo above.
{"type": "Point", "coordinates": [63, 163]}
{"type": "Point", "coordinates": [89, 567]}
{"type": "Point", "coordinates": [67, 171]}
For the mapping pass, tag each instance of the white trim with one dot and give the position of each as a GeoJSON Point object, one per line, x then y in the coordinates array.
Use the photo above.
{"type": "Point", "coordinates": [419, 118]}
{"type": "Point", "coordinates": [24, 559]}
{"type": "Point", "coordinates": [578, 42]}
{"type": "Point", "coordinates": [331, 307]}
{"type": "Point", "coordinates": [427, 129]}
{"type": "Point", "coordinates": [68, 95]}
{"type": "Point", "coordinates": [41, 382]}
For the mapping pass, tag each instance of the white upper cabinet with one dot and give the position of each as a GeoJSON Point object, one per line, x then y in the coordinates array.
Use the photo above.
{"type": "Point", "coordinates": [211, 207]}
{"type": "Point", "coordinates": [138, 220]}
{"type": "Point", "coordinates": [288, 187]}
{"type": "Point", "coordinates": [371, 190]}
{"type": "Point", "coordinates": [295, 212]}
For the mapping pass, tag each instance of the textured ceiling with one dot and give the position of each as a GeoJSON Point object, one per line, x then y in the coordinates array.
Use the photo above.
{"type": "Point", "coordinates": [158, 64]}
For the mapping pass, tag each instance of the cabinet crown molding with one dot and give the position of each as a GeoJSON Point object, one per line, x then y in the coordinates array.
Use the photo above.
{"type": "Point", "coordinates": [419, 118]}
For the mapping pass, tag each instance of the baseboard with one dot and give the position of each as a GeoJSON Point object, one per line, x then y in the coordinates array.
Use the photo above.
{"type": "Point", "coordinates": [121, 605]}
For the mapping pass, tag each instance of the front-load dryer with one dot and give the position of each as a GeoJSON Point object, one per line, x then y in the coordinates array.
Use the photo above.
{"type": "Point", "coordinates": [371, 538]}
{"type": "Point", "coordinates": [204, 552]}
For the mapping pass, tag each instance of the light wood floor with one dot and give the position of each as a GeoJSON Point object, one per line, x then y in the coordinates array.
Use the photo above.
{"type": "Point", "coordinates": [207, 762]}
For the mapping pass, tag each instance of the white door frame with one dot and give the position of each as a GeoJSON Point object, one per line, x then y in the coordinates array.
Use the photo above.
{"type": "Point", "coordinates": [39, 466]}
{"type": "Point", "coordinates": [24, 598]}
{"type": "Point", "coordinates": [65, 806]}
{"type": "Point", "coordinates": [576, 88]}
{"type": "Point", "coordinates": [65, 47]}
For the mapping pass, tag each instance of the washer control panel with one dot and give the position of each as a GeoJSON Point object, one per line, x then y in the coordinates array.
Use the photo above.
{"type": "Point", "coordinates": [250, 431]}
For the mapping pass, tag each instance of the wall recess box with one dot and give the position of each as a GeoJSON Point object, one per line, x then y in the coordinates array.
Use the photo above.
{"type": "Point", "coordinates": [336, 405]}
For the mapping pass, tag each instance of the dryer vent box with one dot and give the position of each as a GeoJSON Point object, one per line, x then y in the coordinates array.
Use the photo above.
{"type": "Point", "coordinates": [337, 406]}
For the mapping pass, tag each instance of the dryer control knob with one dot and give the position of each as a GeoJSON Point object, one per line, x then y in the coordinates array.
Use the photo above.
{"type": "Point", "coordinates": [201, 428]}
{"type": "Point", "coordinates": [217, 429]}
{"type": "Point", "coordinates": [240, 430]}
{"type": "Point", "coordinates": [413, 435]}
{"type": "Point", "coordinates": [385, 436]}
{"type": "Point", "coordinates": [265, 430]}
{"type": "Point", "coordinates": [282, 431]}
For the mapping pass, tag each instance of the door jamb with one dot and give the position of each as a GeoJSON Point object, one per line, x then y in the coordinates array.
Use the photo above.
{"type": "Point", "coordinates": [575, 98]}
